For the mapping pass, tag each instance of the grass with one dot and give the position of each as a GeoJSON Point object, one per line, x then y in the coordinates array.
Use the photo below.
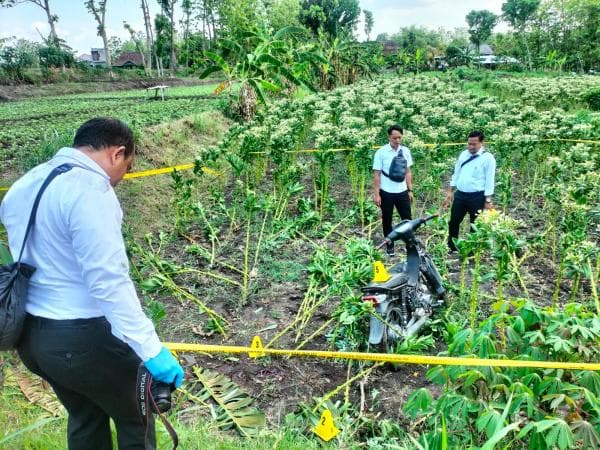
{"type": "Point", "coordinates": [27, 426]}
{"type": "Point", "coordinates": [283, 270]}
{"type": "Point", "coordinates": [145, 201]}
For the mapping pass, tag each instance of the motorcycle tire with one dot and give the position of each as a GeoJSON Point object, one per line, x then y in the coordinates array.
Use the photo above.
{"type": "Point", "coordinates": [390, 338]}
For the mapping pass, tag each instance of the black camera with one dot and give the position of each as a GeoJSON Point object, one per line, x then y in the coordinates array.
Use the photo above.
{"type": "Point", "coordinates": [153, 396]}
{"type": "Point", "coordinates": [161, 394]}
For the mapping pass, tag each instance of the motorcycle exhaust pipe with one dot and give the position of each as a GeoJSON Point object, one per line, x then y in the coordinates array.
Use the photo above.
{"type": "Point", "coordinates": [414, 327]}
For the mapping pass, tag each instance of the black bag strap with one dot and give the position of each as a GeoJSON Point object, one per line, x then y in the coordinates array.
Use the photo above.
{"type": "Point", "coordinates": [55, 172]}
{"type": "Point", "coordinates": [471, 159]}
{"type": "Point", "coordinates": [147, 405]}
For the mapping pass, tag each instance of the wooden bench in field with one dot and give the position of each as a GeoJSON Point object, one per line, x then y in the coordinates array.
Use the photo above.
{"type": "Point", "coordinates": [160, 88]}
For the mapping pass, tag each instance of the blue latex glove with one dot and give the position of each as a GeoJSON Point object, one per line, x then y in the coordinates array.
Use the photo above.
{"type": "Point", "coordinates": [164, 367]}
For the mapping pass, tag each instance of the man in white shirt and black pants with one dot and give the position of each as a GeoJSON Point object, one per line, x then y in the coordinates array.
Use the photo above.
{"type": "Point", "coordinates": [387, 193]}
{"type": "Point", "coordinates": [472, 184]}
{"type": "Point", "coordinates": [85, 331]}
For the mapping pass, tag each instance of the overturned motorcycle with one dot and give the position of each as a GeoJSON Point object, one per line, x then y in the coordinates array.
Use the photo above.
{"type": "Point", "coordinates": [406, 297]}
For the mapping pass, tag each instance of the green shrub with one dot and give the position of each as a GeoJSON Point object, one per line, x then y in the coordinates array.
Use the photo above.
{"type": "Point", "coordinates": [522, 407]}
{"type": "Point", "coordinates": [592, 98]}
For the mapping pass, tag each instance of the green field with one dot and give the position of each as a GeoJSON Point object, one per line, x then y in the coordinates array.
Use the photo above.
{"type": "Point", "coordinates": [277, 243]}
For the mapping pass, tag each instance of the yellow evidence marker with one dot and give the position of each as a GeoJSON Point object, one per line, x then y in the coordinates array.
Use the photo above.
{"type": "Point", "coordinates": [258, 347]}
{"type": "Point", "coordinates": [326, 428]}
{"type": "Point", "coordinates": [380, 275]}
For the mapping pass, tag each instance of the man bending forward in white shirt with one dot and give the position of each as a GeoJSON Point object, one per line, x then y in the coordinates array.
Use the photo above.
{"type": "Point", "coordinates": [85, 331]}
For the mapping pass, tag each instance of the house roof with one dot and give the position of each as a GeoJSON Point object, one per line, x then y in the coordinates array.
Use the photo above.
{"type": "Point", "coordinates": [390, 47]}
{"type": "Point", "coordinates": [129, 57]}
{"type": "Point", "coordinates": [484, 49]}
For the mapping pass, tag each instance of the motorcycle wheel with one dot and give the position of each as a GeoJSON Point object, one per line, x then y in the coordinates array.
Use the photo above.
{"type": "Point", "coordinates": [390, 337]}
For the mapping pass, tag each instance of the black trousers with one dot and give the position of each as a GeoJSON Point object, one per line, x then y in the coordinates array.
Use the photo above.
{"type": "Point", "coordinates": [388, 201]}
{"type": "Point", "coordinates": [94, 375]}
{"type": "Point", "coordinates": [464, 202]}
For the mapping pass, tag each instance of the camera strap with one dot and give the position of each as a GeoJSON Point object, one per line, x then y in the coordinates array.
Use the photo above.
{"type": "Point", "coordinates": [147, 405]}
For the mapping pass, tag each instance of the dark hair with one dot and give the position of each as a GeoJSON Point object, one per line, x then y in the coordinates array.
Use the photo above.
{"type": "Point", "coordinates": [395, 128]}
{"type": "Point", "coordinates": [102, 132]}
{"type": "Point", "coordinates": [477, 134]}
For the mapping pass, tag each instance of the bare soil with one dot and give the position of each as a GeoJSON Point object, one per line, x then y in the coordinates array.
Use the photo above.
{"type": "Point", "coordinates": [24, 91]}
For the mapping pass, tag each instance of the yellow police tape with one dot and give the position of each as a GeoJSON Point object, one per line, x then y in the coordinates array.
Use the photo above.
{"type": "Point", "coordinates": [163, 170]}
{"type": "Point", "coordinates": [151, 172]}
{"type": "Point", "coordinates": [256, 350]}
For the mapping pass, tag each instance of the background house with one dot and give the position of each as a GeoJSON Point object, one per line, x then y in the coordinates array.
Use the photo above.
{"type": "Point", "coordinates": [129, 60]}
{"type": "Point", "coordinates": [98, 57]}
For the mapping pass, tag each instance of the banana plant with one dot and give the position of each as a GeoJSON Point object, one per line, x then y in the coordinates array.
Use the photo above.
{"type": "Point", "coordinates": [259, 63]}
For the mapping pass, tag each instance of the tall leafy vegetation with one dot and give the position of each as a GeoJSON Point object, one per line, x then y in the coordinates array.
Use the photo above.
{"type": "Point", "coordinates": [258, 62]}
{"type": "Point", "coordinates": [517, 408]}
{"type": "Point", "coordinates": [481, 23]}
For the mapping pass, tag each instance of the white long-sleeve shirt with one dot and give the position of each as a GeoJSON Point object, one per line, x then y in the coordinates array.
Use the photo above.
{"type": "Point", "coordinates": [77, 248]}
{"type": "Point", "coordinates": [477, 175]}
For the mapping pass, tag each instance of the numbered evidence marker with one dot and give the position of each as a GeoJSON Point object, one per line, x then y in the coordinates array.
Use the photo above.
{"type": "Point", "coordinates": [380, 275]}
{"type": "Point", "coordinates": [326, 428]}
{"type": "Point", "coordinates": [257, 348]}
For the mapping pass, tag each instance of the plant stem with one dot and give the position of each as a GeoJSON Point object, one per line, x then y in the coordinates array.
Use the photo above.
{"type": "Point", "coordinates": [558, 281]}
{"type": "Point", "coordinates": [358, 376]}
{"type": "Point", "coordinates": [246, 253]}
{"type": "Point", "coordinates": [474, 288]}
{"type": "Point", "coordinates": [594, 288]}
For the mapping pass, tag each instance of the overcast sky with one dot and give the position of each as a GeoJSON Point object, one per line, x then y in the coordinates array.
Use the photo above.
{"type": "Point", "coordinates": [77, 26]}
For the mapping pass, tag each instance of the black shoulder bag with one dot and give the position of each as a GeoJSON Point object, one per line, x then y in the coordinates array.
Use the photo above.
{"type": "Point", "coordinates": [14, 279]}
{"type": "Point", "coordinates": [397, 170]}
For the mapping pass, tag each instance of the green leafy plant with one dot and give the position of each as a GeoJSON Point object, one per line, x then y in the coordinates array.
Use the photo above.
{"type": "Point", "coordinates": [487, 406]}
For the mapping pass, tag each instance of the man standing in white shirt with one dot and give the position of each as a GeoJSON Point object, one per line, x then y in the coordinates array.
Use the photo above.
{"type": "Point", "coordinates": [85, 331]}
{"type": "Point", "coordinates": [387, 193]}
{"type": "Point", "coordinates": [473, 181]}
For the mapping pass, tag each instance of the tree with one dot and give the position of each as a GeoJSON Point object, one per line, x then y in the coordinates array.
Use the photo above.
{"type": "Point", "coordinates": [240, 16]}
{"type": "Point", "coordinates": [53, 56]}
{"type": "Point", "coordinates": [136, 38]}
{"type": "Point", "coordinates": [18, 56]}
{"type": "Point", "coordinates": [332, 17]}
{"type": "Point", "coordinates": [382, 37]}
{"type": "Point", "coordinates": [284, 13]}
{"type": "Point", "coordinates": [99, 13]}
{"type": "Point", "coordinates": [207, 10]}
{"type": "Point", "coordinates": [162, 41]}
{"type": "Point", "coordinates": [412, 38]}
{"type": "Point", "coordinates": [115, 47]}
{"type": "Point", "coordinates": [481, 24]}
{"type": "Point", "coordinates": [518, 13]}
{"type": "Point", "coordinates": [457, 56]}
{"type": "Point", "coordinates": [168, 8]}
{"type": "Point", "coordinates": [150, 47]}
{"type": "Point", "coordinates": [369, 22]}
{"type": "Point", "coordinates": [186, 7]}
{"type": "Point", "coordinates": [45, 5]}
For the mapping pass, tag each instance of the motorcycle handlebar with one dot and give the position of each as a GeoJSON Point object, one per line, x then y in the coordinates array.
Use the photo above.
{"type": "Point", "coordinates": [419, 221]}
{"type": "Point", "coordinates": [429, 217]}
